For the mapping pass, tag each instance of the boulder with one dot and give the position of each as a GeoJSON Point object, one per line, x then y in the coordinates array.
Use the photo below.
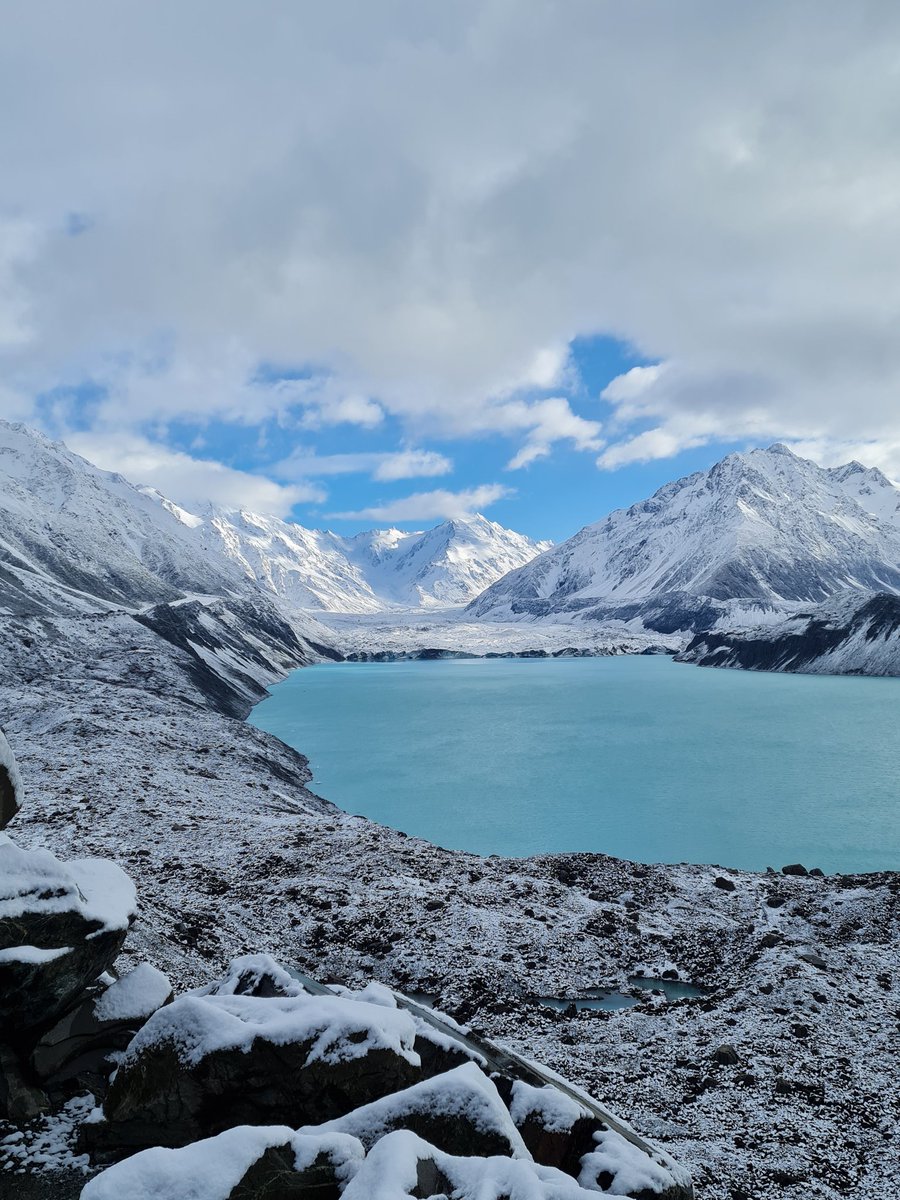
{"type": "Point", "coordinates": [795, 869]}
{"type": "Point", "coordinates": [726, 1056]}
{"type": "Point", "coordinates": [245, 1163]}
{"type": "Point", "coordinates": [10, 783]}
{"type": "Point", "coordinates": [61, 926]}
{"type": "Point", "coordinates": [403, 1165]}
{"type": "Point", "coordinates": [20, 1099]}
{"type": "Point", "coordinates": [560, 1132]}
{"type": "Point", "coordinates": [254, 975]}
{"type": "Point", "coordinates": [75, 1051]}
{"type": "Point", "coordinates": [459, 1112]}
{"type": "Point", "coordinates": [205, 1063]}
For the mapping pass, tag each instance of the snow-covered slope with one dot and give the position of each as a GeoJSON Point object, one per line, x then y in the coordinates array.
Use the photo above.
{"type": "Point", "coordinates": [74, 538]}
{"type": "Point", "coordinates": [851, 633]}
{"type": "Point", "coordinates": [765, 527]}
{"type": "Point", "coordinates": [310, 568]}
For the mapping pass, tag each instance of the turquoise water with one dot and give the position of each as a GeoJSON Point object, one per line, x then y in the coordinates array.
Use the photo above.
{"type": "Point", "coordinates": [637, 757]}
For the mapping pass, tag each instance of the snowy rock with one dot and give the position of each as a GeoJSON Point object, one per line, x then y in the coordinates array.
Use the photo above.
{"type": "Point", "coordinates": [10, 783]}
{"type": "Point", "coordinates": [402, 1166]}
{"type": "Point", "coordinates": [254, 975]}
{"type": "Point", "coordinates": [76, 1049]}
{"type": "Point", "coordinates": [559, 1132]}
{"type": "Point", "coordinates": [61, 926]}
{"type": "Point", "coordinates": [204, 1063]}
{"type": "Point", "coordinates": [245, 1163]}
{"type": "Point", "coordinates": [460, 1112]}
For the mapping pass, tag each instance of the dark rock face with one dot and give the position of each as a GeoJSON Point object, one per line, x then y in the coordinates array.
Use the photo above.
{"type": "Point", "coordinates": [248, 632]}
{"type": "Point", "coordinates": [274, 1174]}
{"type": "Point", "coordinates": [797, 644]}
{"type": "Point", "coordinates": [74, 1053]}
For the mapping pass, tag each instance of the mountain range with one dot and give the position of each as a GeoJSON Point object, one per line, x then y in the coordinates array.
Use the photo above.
{"type": "Point", "coordinates": [753, 541]}
{"type": "Point", "coordinates": [74, 537]}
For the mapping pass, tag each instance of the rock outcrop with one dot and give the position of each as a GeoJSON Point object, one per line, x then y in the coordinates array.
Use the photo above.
{"type": "Point", "coordinates": [62, 926]}
{"type": "Point", "coordinates": [852, 633]}
{"type": "Point", "coordinates": [364, 1105]}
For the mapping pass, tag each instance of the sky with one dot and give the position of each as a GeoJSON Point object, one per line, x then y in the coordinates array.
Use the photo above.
{"type": "Point", "coordinates": [363, 264]}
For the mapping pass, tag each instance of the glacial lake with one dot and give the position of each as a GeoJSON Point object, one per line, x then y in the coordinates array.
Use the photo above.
{"type": "Point", "coordinates": [637, 757]}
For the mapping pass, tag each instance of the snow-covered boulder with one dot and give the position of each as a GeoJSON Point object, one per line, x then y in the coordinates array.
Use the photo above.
{"type": "Point", "coordinates": [250, 1162]}
{"type": "Point", "coordinates": [204, 1063]}
{"type": "Point", "coordinates": [76, 1050]}
{"type": "Point", "coordinates": [10, 783]}
{"type": "Point", "coordinates": [561, 1132]}
{"type": "Point", "coordinates": [253, 975]}
{"type": "Point", "coordinates": [61, 926]}
{"type": "Point", "coordinates": [460, 1112]}
{"type": "Point", "coordinates": [402, 1166]}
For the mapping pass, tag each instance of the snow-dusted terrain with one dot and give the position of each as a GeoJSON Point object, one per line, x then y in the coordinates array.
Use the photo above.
{"type": "Point", "coordinates": [766, 527]}
{"type": "Point", "coordinates": [852, 633]}
{"type": "Point", "coordinates": [74, 538]}
{"type": "Point", "coordinates": [127, 753]}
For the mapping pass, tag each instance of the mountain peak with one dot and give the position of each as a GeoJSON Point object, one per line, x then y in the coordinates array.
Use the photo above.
{"type": "Point", "coordinates": [766, 526]}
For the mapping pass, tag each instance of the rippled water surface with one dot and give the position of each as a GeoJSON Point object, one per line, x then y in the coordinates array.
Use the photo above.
{"type": "Point", "coordinates": [637, 757]}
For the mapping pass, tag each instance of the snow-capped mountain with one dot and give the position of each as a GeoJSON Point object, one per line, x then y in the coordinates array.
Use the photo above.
{"type": "Point", "coordinates": [373, 571]}
{"type": "Point", "coordinates": [765, 527]}
{"type": "Point", "coordinates": [73, 537]}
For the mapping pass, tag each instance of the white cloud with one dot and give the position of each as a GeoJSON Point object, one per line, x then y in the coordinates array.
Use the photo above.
{"type": "Point", "coordinates": [391, 465]}
{"type": "Point", "coordinates": [431, 506]}
{"type": "Point", "coordinates": [433, 201]}
{"type": "Point", "coordinates": [411, 464]}
{"type": "Point", "coordinates": [189, 481]}
{"type": "Point", "coordinates": [552, 421]}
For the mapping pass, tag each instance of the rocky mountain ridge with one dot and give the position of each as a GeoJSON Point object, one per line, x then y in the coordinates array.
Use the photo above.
{"type": "Point", "coordinates": [852, 633]}
{"type": "Point", "coordinates": [765, 530]}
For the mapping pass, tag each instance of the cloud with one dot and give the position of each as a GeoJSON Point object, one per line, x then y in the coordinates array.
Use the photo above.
{"type": "Point", "coordinates": [431, 506]}
{"type": "Point", "coordinates": [552, 421]}
{"type": "Point", "coordinates": [391, 465]}
{"type": "Point", "coordinates": [191, 482]}
{"type": "Point", "coordinates": [434, 201]}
